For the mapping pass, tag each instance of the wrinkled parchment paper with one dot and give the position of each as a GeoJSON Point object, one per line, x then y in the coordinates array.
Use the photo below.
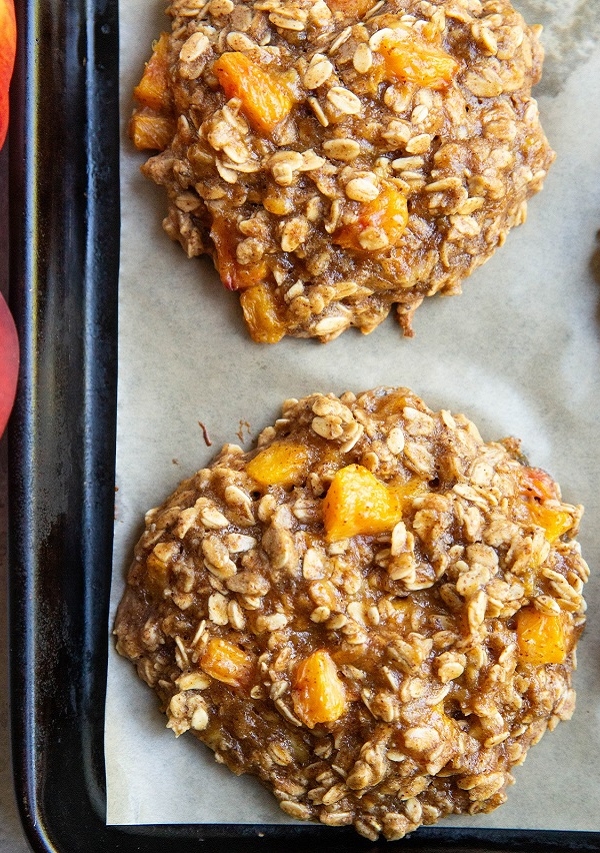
{"type": "Point", "coordinates": [518, 352]}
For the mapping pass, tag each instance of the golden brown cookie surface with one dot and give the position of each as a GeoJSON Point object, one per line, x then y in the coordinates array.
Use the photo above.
{"type": "Point", "coordinates": [374, 611]}
{"type": "Point", "coordinates": [336, 159]}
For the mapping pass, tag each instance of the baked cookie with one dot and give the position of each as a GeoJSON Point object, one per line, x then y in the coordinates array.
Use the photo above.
{"type": "Point", "coordinates": [374, 611]}
{"type": "Point", "coordinates": [338, 158]}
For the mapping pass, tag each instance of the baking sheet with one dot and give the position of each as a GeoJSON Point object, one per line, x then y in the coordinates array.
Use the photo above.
{"type": "Point", "coordinates": [518, 352]}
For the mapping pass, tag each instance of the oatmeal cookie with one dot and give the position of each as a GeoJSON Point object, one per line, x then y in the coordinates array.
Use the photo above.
{"type": "Point", "coordinates": [374, 611]}
{"type": "Point", "coordinates": [338, 158]}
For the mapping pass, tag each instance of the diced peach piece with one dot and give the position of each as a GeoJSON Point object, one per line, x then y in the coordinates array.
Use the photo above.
{"type": "Point", "coordinates": [318, 693]}
{"type": "Point", "coordinates": [227, 663]}
{"type": "Point", "coordinates": [540, 637]}
{"type": "Point", "coordinates": [250, 275]}
{"type": "Point", "coordinates": [380, 224]}
{"type": "Point", "coordinates": [279, 464]}
{"type": "Point", "coordinates": [150, 131]}
{"type": "Point", "coordinates": [158, 572]}
{"type": "Point", "coordinates": [392, 403]}
{"type": "Point", "coordinates": [537, 484]}
{"type": "Point", "coordinates": [153, 89]}
{"type": "Point", "coordinates": [261, 314]}
{"type": "Point", "coordinates": [357, 503]}
{"type": "Point", "coordinates": [541, 495]}
{"type": "Point", "coordinates": [351, 8]}
{"type": "Point", "coordinates": [157, 565]}
{"type": "Point", "coordinates": [554, 520]}
{"type": "Point", "coordinates": [234, 275]}
{"type": "Point", "coordinates": [411, 58]}
{"type": "Point", "coordinates": [265, 99]}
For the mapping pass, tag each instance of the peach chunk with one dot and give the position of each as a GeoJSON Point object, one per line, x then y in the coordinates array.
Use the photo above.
{"type": "Point", "coordinates": [537, 484]}
{"type": "Point", "coordinates": [541, 637]}
{"type": "Point", "coordinates": [265, 99]}
{"type": "Point", "coordinates": [351, 8]}
{"type": "Point", "coordinates": [380, 223]}
{"type": "Point", "coordinates": [158, 564]}
{"type": "Point", "coordinates": [235, 276]}
{"type": "Point", "coordinates": [150, 131]}
{"type": "Point", "coordinates": [152, 127]}
{"type": "Point", "coordinates": [358, 503]}
{"type": "Point", "coordinates": [153, 89]}
{"type": "Point", "coordinates": [261, 314]}
{"type": "Point", "coordinates": [411, 58]}
{"type": "Point", "coordinates": [554, 520]}
{"type": "Point", "coordinates": [541, 495]}
{"type": "Point", "coordinates": [227, 663]}
{"type": "Point", "coordinates": [318, 693]}
{"type": "Point", "coordinates": [279, 464]}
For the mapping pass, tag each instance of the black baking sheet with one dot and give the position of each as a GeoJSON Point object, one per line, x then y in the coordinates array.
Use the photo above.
{"type": "Point", "coordinates": [64, 204]}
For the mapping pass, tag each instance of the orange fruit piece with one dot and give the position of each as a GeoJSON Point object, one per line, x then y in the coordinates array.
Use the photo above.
{"type": "Point", "coordinates": [279, 464]}
{"type": "Point", "coordinates": [261, 314]}
{"type": "Point", "coordinates": [540, 637]}
{"type": "Point", "coordinates": [539, 489]}
{"type": "Point", "coordinates": [235, 276]}
{"type": "Point", "coordinates": [265, 99]}
{"type": "Point", "coordinates": [380, 224]}
{"type": "Point", "coordinates": [358, 503]}
{"type": "Point", "coordinates": [153, 90]}
{"type": "Point", "coordinates": [227, 663]}
{"type": "Point", "coordinates": [411, 58]}
{"type": "Point", "coordinates": [318, 693]}
{"type": "Point", "coordinates": [351, 8]}
{"type": "Point", "coordinates": [150, 131]}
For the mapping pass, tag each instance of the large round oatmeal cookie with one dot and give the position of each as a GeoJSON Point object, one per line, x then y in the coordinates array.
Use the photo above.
{"type": "Point", "coordinates": [337, 158]}
{"type": "Point", "coordinates": [374, 611]}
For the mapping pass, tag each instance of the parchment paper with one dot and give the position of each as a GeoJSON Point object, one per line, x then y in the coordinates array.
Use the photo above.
{"type": "Point", "coordinates": [518, 352]}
